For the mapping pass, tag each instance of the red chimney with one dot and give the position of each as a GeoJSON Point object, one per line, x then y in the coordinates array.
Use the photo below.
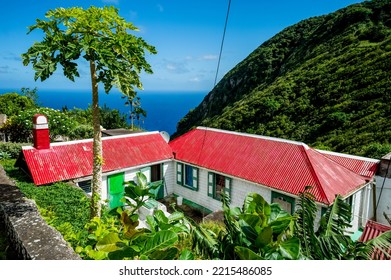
{"type": "Point", "coordinates": [41, 132]}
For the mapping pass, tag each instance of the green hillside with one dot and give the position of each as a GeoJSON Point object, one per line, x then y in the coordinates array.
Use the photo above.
{"type": "Point", "coordinates": [324, 81]}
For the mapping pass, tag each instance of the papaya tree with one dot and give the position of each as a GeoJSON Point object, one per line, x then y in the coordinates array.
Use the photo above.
{"type": "Point", "coordinates": [115, 56]}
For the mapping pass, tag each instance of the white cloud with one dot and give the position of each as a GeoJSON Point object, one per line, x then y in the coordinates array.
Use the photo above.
{"type": "Point", "coordinates": [176, 67]}
{"type": "Point", "coordinates": [195, 79]}
{"type": "Point", "coordinates": [209, 57]}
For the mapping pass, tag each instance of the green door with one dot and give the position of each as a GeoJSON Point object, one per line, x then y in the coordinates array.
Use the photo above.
{"type": "Point", "coordinates": [116, 189]}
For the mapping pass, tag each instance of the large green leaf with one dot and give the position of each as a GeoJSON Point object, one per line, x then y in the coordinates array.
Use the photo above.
{"type": "Point", "coordinates": [246, 235]}
{"type": "Point", "coordinates": [176, 216]}
{"type": "Point", "coordinates": [124, 253]}
{"type": "Point", "coordinates": [168, 254]}
{"type": "Point", "coordinates": [256, 204]}
{"type": "Point", "coordinates": [290, 248]}
{"type": "Point", "coordinates": [265, 237]}
{"type": "Point", "coordinates": [246, 254]}
{"type": "Point", "coordinates": [97, 255]}
{"type": "Point", "coordinates": [380, 246]}
{"type": "Point", "coordinates": [153, 225]}
{"type": "Point", "coordinates": [159, 241]}
{"type": "Point", "coordinates": [110, 243]}
{"type": "Point", "coordinates": [142, 180]}
{"type": "Point", "coordinates": [160, 217]}
{"type": "Point", "coordinates": [337, 218]}
{"type": "Point", "coordinates": [280, 220]}
{"type": "Point", "coordinates": [186, 255]}
{"type": "Point", "coordinates": [253, 220]}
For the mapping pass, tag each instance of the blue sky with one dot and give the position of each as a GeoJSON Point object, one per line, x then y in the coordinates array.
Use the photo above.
{"type": "Point", "coordinates": [187, 35]}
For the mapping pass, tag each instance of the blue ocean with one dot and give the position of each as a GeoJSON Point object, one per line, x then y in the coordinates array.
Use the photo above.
{"type": "Point", "coordinates": [164, 109]}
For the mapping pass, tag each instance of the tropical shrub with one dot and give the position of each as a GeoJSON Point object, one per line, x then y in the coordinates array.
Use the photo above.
{"type": "Point", "coordinates": [332, 240]}
{"type": "Point", "coordinates": [258, 230]}
{"type": "Point", "coordinates": [12, 150]}
{"type": "Point", "coordinates": [13, 103]}
{"type": "Point", "coordinates": [121, 237]}
{"type": "Point", "coordinates": [19, 127]}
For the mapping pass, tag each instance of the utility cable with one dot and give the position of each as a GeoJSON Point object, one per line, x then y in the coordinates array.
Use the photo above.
{"type": "Point", "coordinates": [222, 42]}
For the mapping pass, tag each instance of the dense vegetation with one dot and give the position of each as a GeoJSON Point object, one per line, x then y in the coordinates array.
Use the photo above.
{"type": "Point", "coordinates": [257, 230]}
{"type": "Point", "coordinates": [324, 81]}
{"type": "Point", "coordinates": [68, 123]}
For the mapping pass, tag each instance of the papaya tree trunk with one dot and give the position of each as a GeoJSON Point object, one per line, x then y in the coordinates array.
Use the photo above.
{"type": "Point", "coordinates": [97, 147]}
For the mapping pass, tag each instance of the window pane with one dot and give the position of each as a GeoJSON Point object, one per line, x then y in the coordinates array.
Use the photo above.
{"type": "Point", "coordinates": [285, 205]}
{"type": "Point", "coordinates": [188, 176]}
{"type": "Point", "coordinates": [220, 184]}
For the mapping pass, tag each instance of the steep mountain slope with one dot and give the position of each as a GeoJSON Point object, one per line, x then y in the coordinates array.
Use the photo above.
{"type": "Point", "coordinates": [324, 81]}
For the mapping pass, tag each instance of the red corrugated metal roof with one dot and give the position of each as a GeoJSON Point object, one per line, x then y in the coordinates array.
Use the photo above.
{"type": "Point", "coordinates": [373, 229]}
{"type": "Point", "coordinates": [366, 167]}
{"type": "Point", "coordinates": [70, 160]}
{"type": "Point", "coordinates": [280, 164]}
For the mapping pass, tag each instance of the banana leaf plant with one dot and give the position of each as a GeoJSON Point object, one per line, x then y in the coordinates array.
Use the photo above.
{"type": "Point", "coordinates": [258, 230]}
{"type": "Point", "coordinates": [331, 241]}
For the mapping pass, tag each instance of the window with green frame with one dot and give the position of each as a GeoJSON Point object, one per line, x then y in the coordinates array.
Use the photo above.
{"type": "Point", "coordinates": [286, 202]}
{"type": "Point", "coordinates": [218, 184]}
{"type": "Point", "coordinates": [187, 176]}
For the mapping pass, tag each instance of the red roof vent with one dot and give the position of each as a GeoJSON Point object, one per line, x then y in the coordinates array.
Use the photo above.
{"type": "Point", "coordinates": [41, 132]}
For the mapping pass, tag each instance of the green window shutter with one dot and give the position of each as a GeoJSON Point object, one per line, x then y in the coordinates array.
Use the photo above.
{"type": "Point", "coordinates": [227, 187]}
{"type": "Point", "coordinates": [179, 173]}
{"type": "Point", "coordinates": [195, 178]}
{"type": "Point", "coordinates": [211, 184]}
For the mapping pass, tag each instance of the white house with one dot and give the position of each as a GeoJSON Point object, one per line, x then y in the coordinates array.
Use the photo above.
{"type": "Point", "coordinates": [204, 162]}
{"type": "Point", "coordinates": [124, 156]}
{"type": "Point", "coordinates": [209, 161]}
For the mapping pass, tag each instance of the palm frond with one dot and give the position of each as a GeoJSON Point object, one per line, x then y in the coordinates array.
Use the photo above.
{"type": "Point", "coordinates": [380, 246]}
{"type": "Point", "coordinates": [305, 223]}
{"type": "Point", "coordinates": [337, 219]}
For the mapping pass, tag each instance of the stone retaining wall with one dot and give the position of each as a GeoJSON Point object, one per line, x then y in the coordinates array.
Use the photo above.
{"type": "Point", "coordinates": [30, 236]}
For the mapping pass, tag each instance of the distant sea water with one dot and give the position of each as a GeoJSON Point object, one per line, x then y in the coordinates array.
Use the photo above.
{"type": "Point", "coordinates": [164, 109]}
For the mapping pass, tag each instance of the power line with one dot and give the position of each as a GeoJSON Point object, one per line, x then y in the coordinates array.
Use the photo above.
{"type": "Point", "coordinates": [222, 41]}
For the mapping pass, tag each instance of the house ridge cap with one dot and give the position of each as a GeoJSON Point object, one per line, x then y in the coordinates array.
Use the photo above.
{"type": "Point", "coordinates": [348, 156]}
{"type": "Point", "coordinates": [313, 171]}
{"type": "Point", "coordinates": [257, 136]}
{"type": "Point", "coordinates": [90, 140]}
